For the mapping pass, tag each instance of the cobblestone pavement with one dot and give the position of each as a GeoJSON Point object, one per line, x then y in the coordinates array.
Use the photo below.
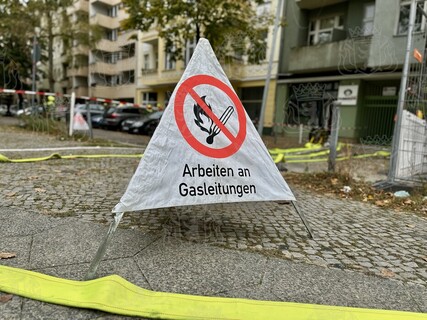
{"type": "Point", "coordinates": [348, 234]}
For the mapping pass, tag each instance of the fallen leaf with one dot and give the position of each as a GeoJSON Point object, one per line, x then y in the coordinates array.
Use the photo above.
{"type": "Point", "coordinates": [387, 273]}
{"type": "Point", "coordinates": [410, 225]}
{"type": "Point", "coordinates": [10, 194]}
{"type": "Point", "coordinates": [39, 190]}
{"type": "Point", "coordinates": [5, 298]}
{"type": "Point", "coordinates": [425, 258]}
{"type": "Point", "coordinates": [408, 201]}
{"type": "Point", "coordinates": [334, 181]}
{"type": "Point", "coordinates": [380, 203]}
{"type": "Point", "coordinates": [7, 255]}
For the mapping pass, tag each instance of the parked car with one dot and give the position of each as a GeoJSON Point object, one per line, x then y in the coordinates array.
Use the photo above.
{"type": "Point", "coordinates": [97, 121]}
{"type": "Point", "coordinates": [114, 116]}
{"type": "Point", "coordinates": [94, 109]}
{"type": "Point", "coordinates": [146, 125]}
{"type": "Point", "coordinates": [32, 111]}
{"type": "Point", "coordinates": [126, 124]}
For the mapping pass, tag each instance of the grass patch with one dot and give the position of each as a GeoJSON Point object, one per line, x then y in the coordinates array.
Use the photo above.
{"type": "Point", "coordinates": [44, 124]}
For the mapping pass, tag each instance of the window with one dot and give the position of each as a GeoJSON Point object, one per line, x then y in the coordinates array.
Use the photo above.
{"type": "Point", "coordinates": [112, 35]}
{"type": "Point", "coordinates": [112, 12]}
{"type": "Point", "coordinates": [189, 50]}
{"type": "Point", "coordinates": [114, 80]}
{"type": "Point", "coordinates": [251, 98]}
{"type": "Point", "coordinates": [131, 110]}
{"type": "Point", "coordinates": [146, 61]}
{"type": "Point", "coordinates": [149, 98]}
{"type": "Point", "coordinates": [113, 57]}
{"type": "Point", "coordinates": [368, 18]}
{"type": "Point", "coordinates": [131, 50]}
{"type": "Point", "coordinates": [405, 8]}
{"type": "Point", "coordinates": [128, 77]}
{"type": "Point", "coordinates": [169, 59]}
{"type": "Point", "coordinates": [320, 30]}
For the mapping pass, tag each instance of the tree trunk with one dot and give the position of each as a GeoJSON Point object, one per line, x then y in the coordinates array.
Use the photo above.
{"type": "Point", "coordinates": [197, 32]}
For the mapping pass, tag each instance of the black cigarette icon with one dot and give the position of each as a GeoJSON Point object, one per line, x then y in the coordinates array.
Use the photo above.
{"type": "Point", "coordinates": [215, 130]}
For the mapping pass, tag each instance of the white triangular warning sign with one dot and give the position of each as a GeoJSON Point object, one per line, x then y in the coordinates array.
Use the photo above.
{"type": "Point", "coordinates": [205, 149]}
{"type": "Point", "coordinates": [79, 123]}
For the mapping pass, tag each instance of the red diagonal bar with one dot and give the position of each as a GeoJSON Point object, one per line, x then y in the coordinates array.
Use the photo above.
{"type": "Point", "coordinates": [211, 115]}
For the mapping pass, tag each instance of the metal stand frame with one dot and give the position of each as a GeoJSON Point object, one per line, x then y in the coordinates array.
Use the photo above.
{"type": "Point", "coordinates": [103, 247]}
{"type": "Point", "coordinates": [304, 220]}
{"type": "Point", "coordinates": [91, 274]}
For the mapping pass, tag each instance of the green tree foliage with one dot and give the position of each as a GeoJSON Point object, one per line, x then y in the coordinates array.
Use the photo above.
{"type": "Point", "coordinates": [20, 20]}
{"type": "Point", "coordinates": [15, 49]}
{"type": "Point", "coordinates": [232, 26]}
{"type": "Point", "coordinates": [51, 17]}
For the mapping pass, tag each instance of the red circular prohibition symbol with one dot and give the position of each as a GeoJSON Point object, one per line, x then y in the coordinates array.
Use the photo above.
{"type": "Point", "coordinates": [187, 87]}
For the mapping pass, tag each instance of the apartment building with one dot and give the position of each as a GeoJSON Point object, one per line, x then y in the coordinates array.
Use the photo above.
{"type": "Point", "coordinates": [354, 44]}
{"type": "Point", "coordinates": [112, 65]}
{"type": "Point", "coordinates": [133, 66]}
{"type": "Point", "coordinates": [159, 74]}
{"type": "Point", "coordinates": [107, 68]}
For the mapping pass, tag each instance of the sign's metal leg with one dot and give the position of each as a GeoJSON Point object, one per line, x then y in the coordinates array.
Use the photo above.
{"type": "Point", "coordinates": [304, 220]}
{"type": "Point", "coordinates": [103, 247]}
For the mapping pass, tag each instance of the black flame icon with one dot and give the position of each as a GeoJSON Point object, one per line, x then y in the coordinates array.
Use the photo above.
{"type": "Point", "coordinates": [206, 124]}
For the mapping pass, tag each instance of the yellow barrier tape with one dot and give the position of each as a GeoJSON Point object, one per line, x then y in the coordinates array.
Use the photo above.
{"type": "Point", "coordinates": [116, 295]}
{"type": "Point", "coordinates": [278, 155]}
{"type": "Point", "coordinates": [308, 147]}
{"type": "Point", "coordinates": [308, 157]}
{"type": "Point", "coordinates": [58, 156]}
{"type": "Point", "coordinates": [360, 156]}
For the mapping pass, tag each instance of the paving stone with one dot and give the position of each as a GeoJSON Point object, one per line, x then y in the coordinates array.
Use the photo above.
{"type": "Point", "coordinates": [354, 234]}
{"type": "Point", "coordinates": [239, 269]}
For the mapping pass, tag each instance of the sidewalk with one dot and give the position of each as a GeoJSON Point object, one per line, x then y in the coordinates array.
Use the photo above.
{"type": "Point", "coordinates": [64, 247]}
{"type": "Point", "coordinates": [54, 214]}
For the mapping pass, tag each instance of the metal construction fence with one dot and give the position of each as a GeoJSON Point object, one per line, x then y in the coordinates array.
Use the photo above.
{"type": "Point", "coordinates": [412, 155]}
{"type": "Point", "coordinates": [409, 154]}
{"type": "Point", "coordinates": [410, 145]}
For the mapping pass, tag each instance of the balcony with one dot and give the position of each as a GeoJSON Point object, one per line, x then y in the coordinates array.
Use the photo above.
{"type": "Point", "coordinates": [78, 72]}
{"type": "Point", "coordinates": [346, 55]}
{"type": "Point", "coordinates": [81, 91]}
{"type": "Point", "coordinates": [241, 72]}
{"type": "Point", "coordinates": [80, 50]}
{"type": "Point", "coordinates": [314, 4]}
{"type": "Point", "coordinates": [158, 78]}
{"type": "Point", "coordinates": [126, 38]}
{"type": "Point", "coordinates": [151, 36]}
{"type": "Point", "coordinates": [107, 45]}
{"type": "Point", "coordinates": [234, 71]}
{"type": "Point", "coordinates": [78, 5]}
{"type": "Point", "coordinates": [103, 68]}
{"type": "Point", "coordinates": [105, 21]}
{"type": "Point", "coordinates": [107, 2]}
{"type": "Point", "coordinates": [126, 64]}
{"type": "Point", "coordinates": [114, 92]}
